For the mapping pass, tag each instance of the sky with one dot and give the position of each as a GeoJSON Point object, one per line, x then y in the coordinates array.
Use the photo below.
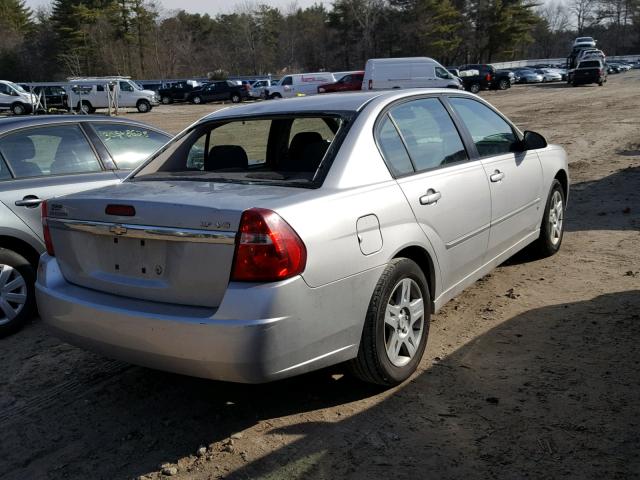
{"type": "Point", "coordinates": [208, 6]}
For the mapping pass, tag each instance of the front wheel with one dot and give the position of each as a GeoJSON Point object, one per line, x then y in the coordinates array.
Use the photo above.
{"type": "Point", "coordinates": [165, 100]}
{"type": "Point", "coordinates": [196, 100]}
{"type": "Point", "coordinates": [144, 106]}
{"type": "Point", "coordinates": [18, 109]}
{"type": "Point", "coordinates": [504, 84]}
{"type": "Point", "coordinates": [235, 98]}
{"type": "Point", "coordinates": [17, 295]}
{"type": "Point", "coordinates": [552, 227]}
{"type": "Point", "coordinates": [474, 88]}
{"type": "Point", "coordinates": [396, 326]}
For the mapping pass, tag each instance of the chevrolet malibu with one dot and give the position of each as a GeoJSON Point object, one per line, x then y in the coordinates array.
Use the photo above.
{"type": "Point", "coordinates": [277, 238]}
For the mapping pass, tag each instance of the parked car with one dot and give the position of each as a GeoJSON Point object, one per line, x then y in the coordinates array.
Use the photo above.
{"type": "Point", "coordinates": [89, 94]}
{"type": "Point", "coordinates": [45, 156]}
{"type": "Point", "coordinates": [411, 72]}
{"type": "Point", "coordinates": [299, 85]}
{"type": "Point", "coordinates": [589, 71]}
{"type": "Point", "coordinates": [490, 78]}
{"type": "Point", "coordinates": [277, 238]}
{"type": "Point", "coordinates": [527, 75]}
{"type": "Point", "coordinates": [582, 42]}
{"type": "Point", "coordinates": [548, 75]}
{"type": "Point", "coordinates": [15, 98]}
{"type": "Point", "coordinates": [347, 83]}
{"type": "Point", "coordinates": [258, 87]}
{"type": "Point", "coordinates": [613, 68]}
{"type": "Point", "coordinates": [178, 91]}
{"type": "Point", "coordinates": [52, 97]}
{"type": "Point", "coordinates": [218, 91]}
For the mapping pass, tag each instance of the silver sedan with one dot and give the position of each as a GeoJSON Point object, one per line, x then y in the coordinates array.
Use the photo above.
{"type": "Point", "coordinates": [277, 238]}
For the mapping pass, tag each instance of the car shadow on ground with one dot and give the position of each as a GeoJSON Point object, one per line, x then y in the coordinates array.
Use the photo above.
{"type": "Point", "coordinates": [551, 368]}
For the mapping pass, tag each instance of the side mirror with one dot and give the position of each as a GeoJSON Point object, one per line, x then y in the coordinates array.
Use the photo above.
{"type": "Point", "coordinates": [533, 141]}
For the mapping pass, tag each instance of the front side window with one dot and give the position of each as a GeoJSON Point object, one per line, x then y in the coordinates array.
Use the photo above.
{"type": "Point", "coordinates": [442, 73]}
{"type": "Point", "coordinates": [491, 134]}
{"type": "Point", "coordinates": [284, 150]}
{"type": "Point", "coordinates": [4, 89]}
{"type": "Point", "coordinates": [126, 87]}
{"type": "Point", "coordinates": [54, 150]}
{"type": "Point", "coordinates": [428, 133]}
{"type": "Point", "coordinates": [287, 81]}
{"type": "Point", "coordinates": [129, 145]}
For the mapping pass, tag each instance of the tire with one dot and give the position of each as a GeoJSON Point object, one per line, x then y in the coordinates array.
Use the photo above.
{"type": "Point", "coordinates": [85, 107]}
{"type": "Point", "coordinates": [574, 84]}
{"type": "Point", "coordinates": [504, 84]}
{"type": "Point", "coordinates": [17, 274]}
{"type": "Point", "coordinates": [275, 96]}
{"type": "Point", "coordinates": [375, 363]}
{"type": "Point", "coordinates": [196, 100]}
{"type": "Point", "coordinates": [143, 106]}
{"type": "Point", "coordinates": [18, 109]}
{"type": "Point", "coordinates": [600, 84]}
{"type": "Point", "coordinates": [165, 100]}
{"type": "Point", "coordinates": [474, 88]}
{"type": "Point", "coordinates": [552, 226]}
{"type": "Point", "coordinates": [235, 98]}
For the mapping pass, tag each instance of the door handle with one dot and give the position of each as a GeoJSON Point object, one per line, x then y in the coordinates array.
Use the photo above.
{"type": "Point", "coordinates": [497, 176]}
{"type": "Point", "coordinates": [430, 198]}
{"type": "Point", "coordinates": [30, 201]}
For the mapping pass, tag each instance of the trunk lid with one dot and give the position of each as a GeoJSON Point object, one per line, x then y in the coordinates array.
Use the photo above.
{"type": "Point", "coordinates": [177, 248]}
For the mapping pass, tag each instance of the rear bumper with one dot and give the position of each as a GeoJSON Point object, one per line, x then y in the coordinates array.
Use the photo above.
{"type": "Point", "coordinates": [259, 333]}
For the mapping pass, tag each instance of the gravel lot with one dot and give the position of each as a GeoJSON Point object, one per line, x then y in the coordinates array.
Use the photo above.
{"type": "Point", "coordinates": [531, 373]}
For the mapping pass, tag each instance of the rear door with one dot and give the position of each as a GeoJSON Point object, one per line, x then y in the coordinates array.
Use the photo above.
{"type": "Point", "coordinates": [515, 177]}
{"type": "Point", "coordinates": [448, 193]}
{"type": "Point", "coordinates": [47, 162]}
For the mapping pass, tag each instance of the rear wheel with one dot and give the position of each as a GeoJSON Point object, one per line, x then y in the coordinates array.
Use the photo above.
{"type": "Point", "coordinates": [85, 107]}
{"type": "Point", "coordinates": [552, 227]}
{"type": "Point", "coordinates": [197, 100]}
{"type": "Point", "coordinates": [17, 294]}
{"type": "Point", "coordinates": [396, 326]}
{"type": "Point", "coordinates": [474, 88]}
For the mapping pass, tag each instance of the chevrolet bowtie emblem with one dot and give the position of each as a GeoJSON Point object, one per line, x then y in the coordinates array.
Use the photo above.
{"type": "Point", "coordinates": [118, 229]}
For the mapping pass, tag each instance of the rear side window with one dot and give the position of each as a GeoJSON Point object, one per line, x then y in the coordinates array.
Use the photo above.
{"type": "Point", "coordinates": [393, 149]}
{"type": "Point", "coordinates": [429, 134]}
{"type": "Point", "coordinates": [491, 134]}
{"type": "Point", "coordinates": [54, 150]}
{"type": "Point", "coordinates": [4, 171]}
{"type": "Point", "coordinates": [129, 145]}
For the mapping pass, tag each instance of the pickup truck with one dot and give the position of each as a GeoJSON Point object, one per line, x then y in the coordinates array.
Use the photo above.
{"type": "Point", "coordinates": [589, 71]}
{"type": "Point", "coordinates": [178, 91]}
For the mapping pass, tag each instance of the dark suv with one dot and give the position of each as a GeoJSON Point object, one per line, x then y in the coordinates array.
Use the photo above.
{"type": "Point", "coordinates": [589, 71]}
{"type": "Point", "coordinates": [177, 92]}
{"type": "Point", "coordinates": [218, 91]}
{"type": "Point", "coordinates": [489, 77]}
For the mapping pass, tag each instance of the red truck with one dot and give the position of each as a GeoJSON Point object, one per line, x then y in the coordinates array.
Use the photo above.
{"type": "Point", "coordinates": [349, 82]}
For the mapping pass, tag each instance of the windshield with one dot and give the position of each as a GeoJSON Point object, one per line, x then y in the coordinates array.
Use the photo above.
{"type": "Point", "coordinates": [16, 87]}
{"type": "Point", "coordinates": [285, 150]}
{"type": "Point", "coordinates": [592, 64]}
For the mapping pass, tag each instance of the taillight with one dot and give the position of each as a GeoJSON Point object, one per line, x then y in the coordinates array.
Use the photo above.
{"type": "Point", "coordinates": [267, 248]}
{"type": "Point", "coordinates": [45, 229]}
{"type": "Point", "coordinates": [370, 84]}
{"type": "Point", "coordinates": [488, 77]}
{"type": "Point", "coordinates": [120, 210]}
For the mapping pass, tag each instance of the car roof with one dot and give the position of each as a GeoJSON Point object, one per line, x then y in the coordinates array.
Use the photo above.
{"type": "Point", "coordinates": [330, 102]}
{"type": "Point", "coordinates": [11, 123]}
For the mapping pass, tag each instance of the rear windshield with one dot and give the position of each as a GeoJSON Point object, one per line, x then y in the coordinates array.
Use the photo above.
{"type": "Point", "coordinates": [589, 64]}
{"type": "Point", "coordinates": [287, 150]}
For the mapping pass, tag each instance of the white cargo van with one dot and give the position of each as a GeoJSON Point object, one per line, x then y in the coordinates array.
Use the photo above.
{"type": "Point", "coordinates": [87, 94]}
{"type": "Point", "coordinates": [412, 72]}
{"type": "Point", "coordinates": [15, 98]}
{"type": "Point", "coordinates": [299, 84]}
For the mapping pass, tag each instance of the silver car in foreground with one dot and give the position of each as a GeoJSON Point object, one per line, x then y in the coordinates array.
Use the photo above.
{"type": "Point", "coordinates": [277, 238]}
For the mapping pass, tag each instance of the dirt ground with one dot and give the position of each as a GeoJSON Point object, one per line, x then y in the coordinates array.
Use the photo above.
{"type": "Point", "coordinates": [534, 372]}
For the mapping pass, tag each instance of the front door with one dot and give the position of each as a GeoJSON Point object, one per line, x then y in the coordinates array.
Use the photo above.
{"type": "Point", "coordinates": [515, 177]}
{"type": "Point", "coordinates": [448, 193]}
{"type": "Point", "coordinates": [46, 162]}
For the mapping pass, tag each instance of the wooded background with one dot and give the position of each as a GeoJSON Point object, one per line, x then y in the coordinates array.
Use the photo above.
{"type": "Point", "coordinates": [140, 39]}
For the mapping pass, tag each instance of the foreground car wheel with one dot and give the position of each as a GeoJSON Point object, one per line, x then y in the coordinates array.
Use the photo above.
{"type": "Point", "coordinates": [396, 327]}
{"type": "Point", "coordinates": [552, 228]}
{"type": "Point", "coordinates": [17, 296]}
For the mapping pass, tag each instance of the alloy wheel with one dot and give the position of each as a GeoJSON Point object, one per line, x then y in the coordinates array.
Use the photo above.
{"type": "Point", "coordinates": [403, 322]}
{"type": "Point", "coordinates": [556, 218]}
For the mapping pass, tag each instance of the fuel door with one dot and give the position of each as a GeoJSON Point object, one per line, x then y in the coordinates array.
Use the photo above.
{"type": "Point", "coordinates": [369, 235]}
